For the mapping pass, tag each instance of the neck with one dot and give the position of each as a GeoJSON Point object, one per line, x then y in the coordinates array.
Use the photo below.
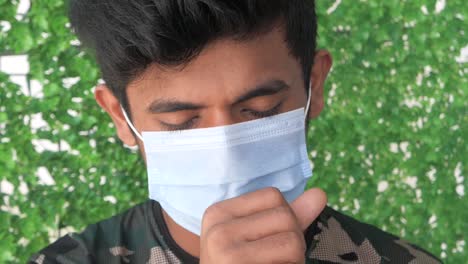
{"type": "Point", "coordinates": [187, 240]}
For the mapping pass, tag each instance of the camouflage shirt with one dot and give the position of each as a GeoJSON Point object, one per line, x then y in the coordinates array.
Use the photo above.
{"type": "Point", "coordinates": [140, 235]}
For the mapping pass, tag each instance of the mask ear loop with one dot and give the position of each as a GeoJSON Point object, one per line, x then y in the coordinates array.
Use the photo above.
{"type": "Point", "coordinates": [308, 100]}
{"type": "Point", "coordinates": [130, 123]}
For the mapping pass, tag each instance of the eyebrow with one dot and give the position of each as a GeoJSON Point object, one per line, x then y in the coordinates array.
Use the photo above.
{"type": "Point", "coordinates": [268, 88]}
{"type": "Point", "coordinates": [170, 105]}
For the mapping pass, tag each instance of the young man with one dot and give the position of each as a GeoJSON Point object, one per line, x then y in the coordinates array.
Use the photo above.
{"type": "Point", "coordinates": [236, 80]}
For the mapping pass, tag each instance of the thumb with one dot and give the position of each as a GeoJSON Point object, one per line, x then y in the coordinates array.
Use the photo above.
{"type": "Point", "coordinates": [308, 206]}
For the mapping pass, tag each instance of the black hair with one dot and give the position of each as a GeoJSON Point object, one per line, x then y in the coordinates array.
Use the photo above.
{"type": "Point", "coordinates": [127, 36]}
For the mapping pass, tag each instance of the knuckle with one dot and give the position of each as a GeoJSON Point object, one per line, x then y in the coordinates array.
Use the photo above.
{"type": "Point", "coordinates": [212, 210]}
{"type": "Point", "coordinates": [212, 213]}
{"type": "Point", "coordinates": [220, 247]}
{"type": "Point", "coordinates": [296, 247]}
{"type": "Point", "coordinates": [218, 235]}
{"type": "Point", "coordinates": [284, 242]}
{"type": "Point", "coordinates": [284, 215]}
{"type": "Point", "coordinates": [217, 251]}
{"type": "Point", "coordinates": [274, 195]}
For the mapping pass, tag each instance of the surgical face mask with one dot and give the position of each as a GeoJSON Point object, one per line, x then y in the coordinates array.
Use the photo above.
{"type": "Point", "coordinates": [190, 170]}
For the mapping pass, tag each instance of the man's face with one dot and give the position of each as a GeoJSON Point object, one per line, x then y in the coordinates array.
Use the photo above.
{"type": "Point", "coordinates": [229, 82]}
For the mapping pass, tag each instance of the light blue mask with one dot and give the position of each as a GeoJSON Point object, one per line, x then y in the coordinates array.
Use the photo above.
{"type": "Point", "coordinates": [190, 170]}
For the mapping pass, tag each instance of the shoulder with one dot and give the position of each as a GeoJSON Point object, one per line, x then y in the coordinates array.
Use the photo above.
{"type": "Point", "coordinates": [113, 240]}
{"type": "Point", "coordinates": [338, 238]}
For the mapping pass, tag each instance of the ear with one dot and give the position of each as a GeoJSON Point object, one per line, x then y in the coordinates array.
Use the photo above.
{"type": "Point", "coordinates": [322, 65]}
{"type": "Point", "coordinates": [106, 99]}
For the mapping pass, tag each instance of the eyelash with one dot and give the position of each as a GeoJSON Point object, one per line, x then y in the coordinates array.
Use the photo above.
{"type": "Point", "coordinates": [273, 111]}
{"type": "Point", "coordinates": [189, 124]}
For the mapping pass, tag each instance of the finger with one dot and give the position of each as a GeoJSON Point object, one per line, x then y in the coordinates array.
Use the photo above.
{"type": "Point", "coordinates": [241, 206]}
{"type": "Point", "coordinates": [308, 206]}
{"type": "Point", "coordinates": [260, 225]}
{"type": "Point", "coordinates": [286, 247]}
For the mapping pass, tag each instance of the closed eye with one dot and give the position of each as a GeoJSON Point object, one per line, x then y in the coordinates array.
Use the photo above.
{"type": "Point", "coordinates": [262, 114]}
{"type": "Point", "coordinates": [182, 126]}
{"type": "Point", "coordinates": [190, 124]}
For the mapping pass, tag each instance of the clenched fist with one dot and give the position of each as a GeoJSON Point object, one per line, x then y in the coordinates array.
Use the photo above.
{"type": "Point", "coordinates": [259, 227]}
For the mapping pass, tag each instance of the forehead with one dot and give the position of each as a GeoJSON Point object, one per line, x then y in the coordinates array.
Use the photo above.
{"type": "Point", "coordinates": [224, 68]}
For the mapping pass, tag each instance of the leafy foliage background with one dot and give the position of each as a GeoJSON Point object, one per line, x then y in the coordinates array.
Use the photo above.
{"type": "Point", "coordinates": [390, 148]}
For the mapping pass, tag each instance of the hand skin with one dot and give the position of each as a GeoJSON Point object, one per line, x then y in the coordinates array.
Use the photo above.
{"type": "Point", "coordinates": [259, 227]}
